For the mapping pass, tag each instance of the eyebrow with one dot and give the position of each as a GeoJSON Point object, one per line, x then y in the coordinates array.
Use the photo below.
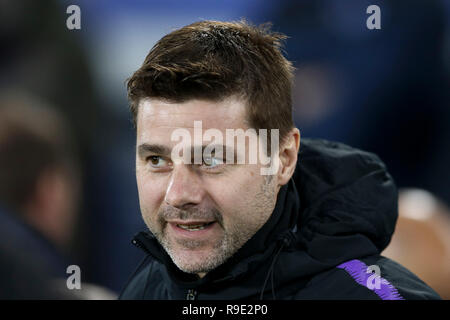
{"type": "Point", "coordinates": [153, 148]}
{"type": "Point", "coordinates": [159, 149]}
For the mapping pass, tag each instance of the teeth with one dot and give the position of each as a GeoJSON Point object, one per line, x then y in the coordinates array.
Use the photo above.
{"type": "Point", "coordinates": [192, 227]}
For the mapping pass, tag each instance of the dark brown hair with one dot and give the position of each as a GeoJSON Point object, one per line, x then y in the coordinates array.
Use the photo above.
{"type": "Point", "coordinates": [213, 60]}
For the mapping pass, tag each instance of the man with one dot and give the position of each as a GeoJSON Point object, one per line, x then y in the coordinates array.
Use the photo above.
{"type": "Point", "coordinates": [304, 225]}
{"type": "Point", "coordinates": [38, 196]}
{"type": "Point", "coordinates": [39, 193]}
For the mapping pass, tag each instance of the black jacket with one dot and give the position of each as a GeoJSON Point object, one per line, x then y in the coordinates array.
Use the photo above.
{"type": "Point", "coordinates": [29, 263]}
{"type": "Point", "coordinates": [330, 223]}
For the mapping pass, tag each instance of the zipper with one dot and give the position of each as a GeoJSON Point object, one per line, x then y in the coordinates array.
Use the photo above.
{"type": "Point", "coordinates": [191, 294]}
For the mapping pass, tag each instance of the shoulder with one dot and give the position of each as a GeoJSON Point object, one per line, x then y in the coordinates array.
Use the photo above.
{"type": "Point", "coordinates": [408, 285]}
{"type": "Point", "coordinates": [374, 277]}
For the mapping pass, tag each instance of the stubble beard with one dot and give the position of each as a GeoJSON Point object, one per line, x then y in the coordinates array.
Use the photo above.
{"type": "Point", "coordinates": [234, 236]}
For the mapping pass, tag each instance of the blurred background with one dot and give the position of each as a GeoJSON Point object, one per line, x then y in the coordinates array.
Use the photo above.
{"type": "Point", "coordinates": [67, 184]}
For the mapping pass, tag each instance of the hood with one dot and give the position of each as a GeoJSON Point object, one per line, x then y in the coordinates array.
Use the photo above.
{"type": "Point", "coordinates": [349, 201]}
{"type": "Point", "coordinates": [340, 204]}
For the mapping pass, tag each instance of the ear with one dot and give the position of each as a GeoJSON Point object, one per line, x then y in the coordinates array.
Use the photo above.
{"type": "Point", "coordinates": [288, 156]}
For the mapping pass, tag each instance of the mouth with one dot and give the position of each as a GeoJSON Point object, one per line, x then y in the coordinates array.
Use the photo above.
{"type": "Point", "coordinates": [193, 228]}
{"type": "Point", "coordinates": [191, 225]}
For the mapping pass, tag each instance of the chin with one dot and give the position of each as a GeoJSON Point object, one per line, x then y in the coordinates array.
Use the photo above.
{"type": "Point", "coordinates": [195, 261]}
{"type": "Point", "coordinates": [193, 267]}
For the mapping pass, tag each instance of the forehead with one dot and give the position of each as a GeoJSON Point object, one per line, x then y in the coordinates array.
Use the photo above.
{"type": "Point", "coordinates": [158, 118]}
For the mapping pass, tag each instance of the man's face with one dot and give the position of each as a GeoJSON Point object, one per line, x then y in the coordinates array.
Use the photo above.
{"type": "Point", "coordinates": [200, 213]}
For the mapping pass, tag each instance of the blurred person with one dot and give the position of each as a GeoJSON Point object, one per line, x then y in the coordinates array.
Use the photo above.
{"type": "Point", "coordinates": [38, 175]}
{"type": "Point", "coordinates": [42, 57]}
{"type": "Point", "coordinates": [421, 240]}
{"type": "Point", "coordinates": [220, 230]}
{"type": "Point", "coordinates": [39, 196]}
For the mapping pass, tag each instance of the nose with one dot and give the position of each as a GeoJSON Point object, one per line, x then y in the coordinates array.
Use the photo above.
{"type": "Point", "coordinates": [185, 188]}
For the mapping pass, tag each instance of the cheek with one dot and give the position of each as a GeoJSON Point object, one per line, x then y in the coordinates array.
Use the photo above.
{"type": "Point", "coordinates": [235, 195]}
{"type": "Point", "coordinates": [151, 194]}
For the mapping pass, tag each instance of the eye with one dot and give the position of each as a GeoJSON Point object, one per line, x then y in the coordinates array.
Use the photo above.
{"type": "Point", "coordinates": [212, 162]}
{"type": "Point", "coordinates": [157, 162]}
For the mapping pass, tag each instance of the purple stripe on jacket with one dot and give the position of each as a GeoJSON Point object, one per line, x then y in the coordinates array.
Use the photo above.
{"type": "Point", "coordinates": [383, 288]}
